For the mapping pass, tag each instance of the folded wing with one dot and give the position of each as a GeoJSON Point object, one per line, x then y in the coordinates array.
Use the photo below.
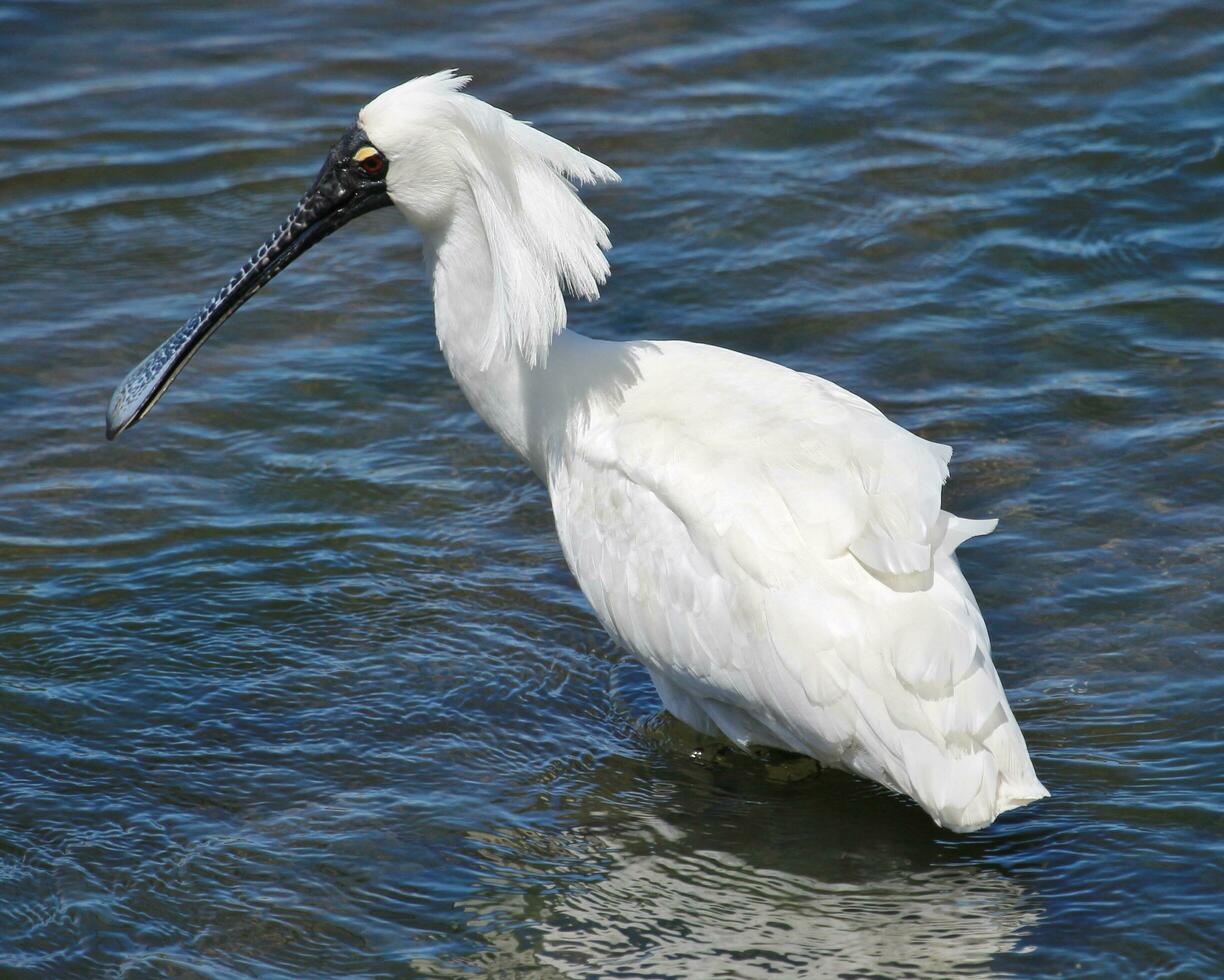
{"type": "Point", "coordinates": [773, 549]}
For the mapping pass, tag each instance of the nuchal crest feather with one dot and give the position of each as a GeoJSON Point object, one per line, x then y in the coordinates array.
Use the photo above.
{"type": "Point", "coordinates": [770, 546]}
{"type": "Point", "coordinates": [541, 237]}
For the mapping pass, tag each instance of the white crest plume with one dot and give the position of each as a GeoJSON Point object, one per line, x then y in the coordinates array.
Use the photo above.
{"type": "Point", "coordinates": [542, 239]}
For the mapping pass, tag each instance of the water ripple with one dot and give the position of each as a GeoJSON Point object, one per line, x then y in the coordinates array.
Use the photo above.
{"type": "Point", "coordinates": [294, 681]}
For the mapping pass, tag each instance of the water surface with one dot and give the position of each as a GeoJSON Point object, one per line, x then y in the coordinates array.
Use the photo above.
{"type": "Point", "coordinates": [293, 679]}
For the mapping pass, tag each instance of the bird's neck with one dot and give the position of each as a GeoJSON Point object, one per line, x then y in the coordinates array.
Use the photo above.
{"type": "Point", "coordinates": [494, 376]}
{"type": "Point", "coordinates": [538, 398]}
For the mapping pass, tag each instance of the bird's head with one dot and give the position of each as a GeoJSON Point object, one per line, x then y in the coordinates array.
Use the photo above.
{"type": "Point", "coordinates": [418, 128]}
{"type": "Point", "coordinates": [419, 146]}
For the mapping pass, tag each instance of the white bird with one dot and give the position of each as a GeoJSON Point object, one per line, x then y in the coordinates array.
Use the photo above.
{"type": "Point", "coordinates": [770, 546]}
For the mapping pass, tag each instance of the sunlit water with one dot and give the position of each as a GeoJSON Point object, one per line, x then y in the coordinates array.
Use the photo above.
{"type": "Point", "coordinates": [293, 678]}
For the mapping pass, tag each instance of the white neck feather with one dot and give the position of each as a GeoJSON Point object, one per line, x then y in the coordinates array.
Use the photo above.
{"type": "Point", "coordinates": [518, 238]}
{"type": "Point", "coordinates": [541, 239]}
{"type": "Point", "coordinates": [535, 408]}
{"type": "Point", "coordinates": [466, 299]}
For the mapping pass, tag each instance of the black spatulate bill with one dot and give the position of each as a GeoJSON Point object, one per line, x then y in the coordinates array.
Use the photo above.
{"type": "Point", "coordinates": [351, 183]}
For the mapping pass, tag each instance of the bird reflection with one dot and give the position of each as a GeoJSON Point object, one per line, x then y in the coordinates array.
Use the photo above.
{"type": "Point", "coordinates": [726, 884]}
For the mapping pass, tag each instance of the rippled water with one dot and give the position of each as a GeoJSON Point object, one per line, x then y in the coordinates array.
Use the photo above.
{"type": "Point", "coordinates": [293, 679]}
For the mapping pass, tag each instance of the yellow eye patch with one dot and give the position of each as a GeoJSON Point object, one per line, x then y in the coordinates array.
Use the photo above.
{"type": "Point", "coordinates": [365, 153]}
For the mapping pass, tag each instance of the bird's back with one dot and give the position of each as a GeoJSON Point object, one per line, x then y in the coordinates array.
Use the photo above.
{"type": "Point", "coordinates": [773, 549]}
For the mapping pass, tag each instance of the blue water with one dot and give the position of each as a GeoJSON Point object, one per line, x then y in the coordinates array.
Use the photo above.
{"type": "Point", "coordinates": [293, 679]}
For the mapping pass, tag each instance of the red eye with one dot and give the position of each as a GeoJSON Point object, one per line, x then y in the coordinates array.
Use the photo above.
{"type": "Point", "coordinates": [373, 163]}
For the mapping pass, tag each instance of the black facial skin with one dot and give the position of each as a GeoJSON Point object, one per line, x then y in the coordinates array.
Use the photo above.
{"type": "Point", "coordinates": [344, 189]}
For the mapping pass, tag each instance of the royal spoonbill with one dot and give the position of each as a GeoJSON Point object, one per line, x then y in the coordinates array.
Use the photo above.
{"type": "Point", "coordinates": [770, 546]}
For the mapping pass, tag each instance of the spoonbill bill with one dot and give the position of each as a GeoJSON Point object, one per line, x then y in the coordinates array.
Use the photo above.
{"type": "Point", "coordinates": [769, 545]}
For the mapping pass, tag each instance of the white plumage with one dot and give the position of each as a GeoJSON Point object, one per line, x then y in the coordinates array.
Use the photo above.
{"type": "Point", "coordinates": [773, 550]}
{"type": "Point", "coordinates": [769, 545]}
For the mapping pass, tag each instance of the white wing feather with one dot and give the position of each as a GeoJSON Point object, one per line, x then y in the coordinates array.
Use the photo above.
{"type": "Point", "coordinates": [773, 549]}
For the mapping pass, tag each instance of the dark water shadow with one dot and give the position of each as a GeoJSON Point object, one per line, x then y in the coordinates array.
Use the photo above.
{"type": "Point", "coordinates": [681, 858]}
